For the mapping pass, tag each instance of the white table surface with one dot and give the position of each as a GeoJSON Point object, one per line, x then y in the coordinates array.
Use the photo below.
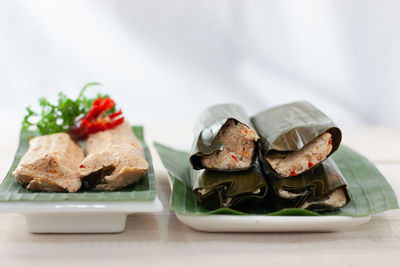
{"type": "Point", "coordinates": [162, 240]}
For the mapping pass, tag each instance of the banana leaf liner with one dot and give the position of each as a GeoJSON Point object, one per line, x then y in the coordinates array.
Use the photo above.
{"type": "Point", "coordinates": [288, 128]}
{"type": "Point", "coordinates": [215, 189]}
{"type": "Point", "coordinates": [312, 189]}
{"type": "Point", "coordinates": [208, 126]}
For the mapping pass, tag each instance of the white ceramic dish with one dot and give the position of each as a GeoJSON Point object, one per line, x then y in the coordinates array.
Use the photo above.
{"type": "Point", "coordinates": [255, 223]}
{"type": "Point", "coordinates": [79, 217]}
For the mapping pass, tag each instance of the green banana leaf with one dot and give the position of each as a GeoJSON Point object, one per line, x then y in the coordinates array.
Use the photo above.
{"type": "Point", "coordinates": [207, 127]}
{"type": "Point", "coordinates": [215, 189]}
{"type": "Point", "coordinates": [369, 191]}
{"type": "Point", "coordinates": [143, 190]}
{"type": "Point", "coordinates": [313, 186]}
{"type": "Point", "coordinates": [289, 127]}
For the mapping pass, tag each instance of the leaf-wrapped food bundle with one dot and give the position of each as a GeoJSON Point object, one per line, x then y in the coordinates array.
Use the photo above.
{"type": "Point", "coordinates": [321, 189]}
{"type": "Point", "coordinates": [370, 191]}
{"type": "Point", "coordinates": [296, 137]}
{"type": "Point", "coordinates": [215, 189]}
{"type": "Point", "coordinates": [224, 140]}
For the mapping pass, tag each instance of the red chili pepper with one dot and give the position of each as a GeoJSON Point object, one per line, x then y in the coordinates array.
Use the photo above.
{"type": "Point", "coordinates": [115, 114]}
{"type": "Point", "coordinates": [330, 142]}
{"type": "Point", "coordinates": [112, 124]}
{"type": "Point", "coordinates": [235, 158]}
{"type": "Point", "coordinates": [292, 173]}
{"type": "Point", "coordinates": [310, 164]}
{"type": "Point", "coordinates": [96, 120]}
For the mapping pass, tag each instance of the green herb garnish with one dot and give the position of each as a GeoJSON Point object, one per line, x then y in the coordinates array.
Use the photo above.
{"type": "Point", "coordinates": [60, 117]}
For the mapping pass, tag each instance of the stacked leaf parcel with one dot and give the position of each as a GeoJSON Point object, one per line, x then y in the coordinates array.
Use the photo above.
{"type": "Point", "coordinates": [280, 156]}
{"type": "Point", "coordinates": [226, 169]}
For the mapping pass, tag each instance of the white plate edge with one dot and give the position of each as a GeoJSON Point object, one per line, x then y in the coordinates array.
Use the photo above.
{"type": "Point", "coordinates": [265, 223]}
{"type": "Point", "coordinates": [27, 207]}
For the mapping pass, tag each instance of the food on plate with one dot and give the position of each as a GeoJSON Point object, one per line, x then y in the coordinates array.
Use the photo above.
{"type": "Point", "coordinates": [323, 189]}
{"type": "Point", "coordinates": [55, 162]}
{"type": "Point", "coordinates": [280, 155]}
{"type": "Point", "coordinates": [216, 189]}
{"type": "Point", "coordinates": [239, 144]}
{"type": "Point", "coordinates": [114, 159]}
{"type": "Point", "coordinates": [370, 193]}
{"type": "Point", "coordinates": [225, 139]}
{"type": "Point", "coordinates": [292, 164]}
{"type": "Point", "coordinates": [296, 137]}
{"type": "Point", "coordinates": [224, 169]}
{"type": "Point", "coordinates": [50, 164]}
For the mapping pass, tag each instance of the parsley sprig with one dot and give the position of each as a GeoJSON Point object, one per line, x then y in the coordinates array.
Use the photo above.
{"type": "Point", "coordinates": [60, 117]}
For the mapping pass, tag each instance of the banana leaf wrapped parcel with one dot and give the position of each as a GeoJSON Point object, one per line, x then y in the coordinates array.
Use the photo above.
{"type": "Point", "coordinates": [279, 154]}
{"type": "Point", "coordinates": [296, 137]}
{"type": "Point", "coordinates": [225, 170]}
{"type": "Point", "coordinates": [225, 140]}
{"type": "Point", "coordinates": [321, 189]}
{"type": "Point", "coordinates": [215, 189]}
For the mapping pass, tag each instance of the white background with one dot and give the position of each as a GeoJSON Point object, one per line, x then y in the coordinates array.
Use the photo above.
{"type": "Point", "coordinates": [165, 61]}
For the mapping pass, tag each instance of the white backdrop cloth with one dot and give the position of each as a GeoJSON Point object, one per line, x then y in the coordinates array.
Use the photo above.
{"type": "Point", "coordinates": [165, 61]}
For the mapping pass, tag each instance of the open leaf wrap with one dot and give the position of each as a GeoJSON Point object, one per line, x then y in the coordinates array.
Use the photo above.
{"type": "Point", "coordinates": [288, 128]}
{"type": "Point", "coordinates": [207, 127]}
{"type": "Point", "coordinates": [311, 186]}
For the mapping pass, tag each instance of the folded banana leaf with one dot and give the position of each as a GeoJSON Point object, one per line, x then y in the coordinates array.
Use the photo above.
{"type": "Point", "coordinates": [322, 189]}
{"type": "Point", "coordinates": [369, 190]}
{"type": "Point", "coordinates": [211, 123]}
{"type": "Point", "coordinates": [215, 189]}
{"type": "Point", "coordinates": [288, 128]}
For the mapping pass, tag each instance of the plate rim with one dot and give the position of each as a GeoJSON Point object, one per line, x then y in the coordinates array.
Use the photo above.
{"type": "Point", "coordinates": [268, 223]}
{"type": "Point", "coordinates": [27, 207]}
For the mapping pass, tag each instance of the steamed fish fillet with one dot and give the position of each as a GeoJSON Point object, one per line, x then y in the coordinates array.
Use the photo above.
{"type": "Point", "coordinates": [336, 199]}
{"type": "Point", "coordinates": [300, 161]}
{"type": "Point", "coordinates": [114, 159]}
{"type": "Point", "coordinates": [50, 164]}
{"type": "Point", "coordinates": [239, 144]}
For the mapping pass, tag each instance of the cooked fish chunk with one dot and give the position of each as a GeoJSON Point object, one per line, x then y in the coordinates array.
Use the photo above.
{"type": "Point", "coordinates": [335, 200]}
{"type": "Point", "coordinates": [114, 159]}
{"type": "Point", "coordinates": [299, 161]}
{"type": "Point", "coordinates": [238, 147]}
{"type": "Point", "coordinates": [50, 164]}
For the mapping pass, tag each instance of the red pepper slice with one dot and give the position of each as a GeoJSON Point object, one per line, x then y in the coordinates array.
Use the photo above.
{"type": "Point", "coordinates": [115, 114]}
{"type": "Point", "coordinates": [235, 158]}
{"type": "Point", "coordinates": [96, 120]}
{"type": "Point", "coordinates": [310, 164]}
{"type": "Point", "coordinates": [292, 173]}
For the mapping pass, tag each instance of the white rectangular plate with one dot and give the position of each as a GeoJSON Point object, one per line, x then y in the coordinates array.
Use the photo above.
{"type": "Point", "coordinates": [79, 217]}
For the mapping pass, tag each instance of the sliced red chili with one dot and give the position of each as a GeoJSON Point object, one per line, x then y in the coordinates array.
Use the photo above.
{"type": "Point", "coordinates": [235, 158]}
{"type": "Point", "coordinates": [292, 173]}
{"type": "Point", "coordinates": [115, 114]}
{"type": "Point", "coordinates": [96, 120]}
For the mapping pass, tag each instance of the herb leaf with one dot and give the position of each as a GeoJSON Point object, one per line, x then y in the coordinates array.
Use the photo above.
{"type": "Point", "coordinates": [60, 117]}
